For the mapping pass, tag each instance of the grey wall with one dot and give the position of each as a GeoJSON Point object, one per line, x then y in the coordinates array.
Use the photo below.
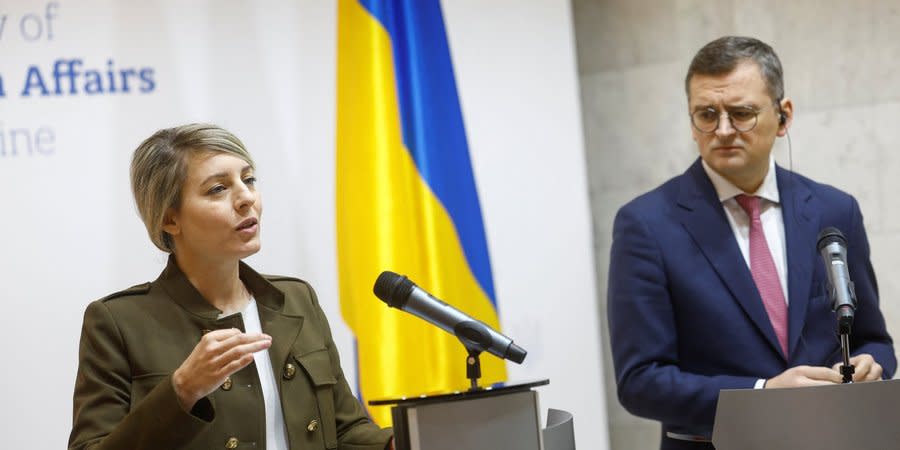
{"type": "Point", "coordinates": [842, 69]}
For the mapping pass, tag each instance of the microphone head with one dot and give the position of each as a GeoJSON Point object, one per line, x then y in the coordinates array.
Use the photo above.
{"type": "Point", "coordinates": [830, 236]}
{"type": "Point", "coordinates": [393, 289]}
{"type": "Point", "coordinates": [515, 353]}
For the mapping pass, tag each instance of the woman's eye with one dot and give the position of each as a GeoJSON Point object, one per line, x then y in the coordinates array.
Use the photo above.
{"type": "Point", "coordinates": [250, 181]}
{"type": "Point", "coordinates": [216, 189]}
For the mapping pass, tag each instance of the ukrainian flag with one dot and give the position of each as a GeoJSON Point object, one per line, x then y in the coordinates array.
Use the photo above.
{"type": "Point", "coordinates": [406, 198]}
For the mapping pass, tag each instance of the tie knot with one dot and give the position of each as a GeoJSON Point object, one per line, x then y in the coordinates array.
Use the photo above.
{"type": "Point", "coordinates": [750, 203]}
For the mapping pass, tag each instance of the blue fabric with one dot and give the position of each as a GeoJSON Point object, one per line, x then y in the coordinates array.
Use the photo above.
{"type": "Point", "coordinates": [686, 319]}
{"type": "Point", "coordinates": [433, 129]}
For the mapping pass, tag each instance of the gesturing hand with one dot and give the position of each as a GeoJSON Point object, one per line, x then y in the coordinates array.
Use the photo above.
{"type": "Point", "coordinates": [219, 354]}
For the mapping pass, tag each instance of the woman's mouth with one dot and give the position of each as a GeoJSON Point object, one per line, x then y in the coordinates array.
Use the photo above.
{"type": "Point", "coordinates": [248, 225]}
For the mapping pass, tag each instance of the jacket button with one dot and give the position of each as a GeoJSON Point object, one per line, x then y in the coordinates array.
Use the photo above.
{"type": "Point", "coordinates": [226, 386]}
{"type": "Point", "coordinates": [290, 371]}
{"type": "Point", "coordinates": [232, 443]}
{"type": "Point", "coordinates": [313, 425]}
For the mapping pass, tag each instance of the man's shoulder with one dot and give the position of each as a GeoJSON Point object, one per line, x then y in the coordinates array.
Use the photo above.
{"type": "Point", "coordinates": [824, 193]}
{"type": "Point", "coordinates": [658, 199]}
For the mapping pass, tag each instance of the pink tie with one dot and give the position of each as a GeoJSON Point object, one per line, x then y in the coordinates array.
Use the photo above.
{"type": "Point", "coordinates": [762, 267]}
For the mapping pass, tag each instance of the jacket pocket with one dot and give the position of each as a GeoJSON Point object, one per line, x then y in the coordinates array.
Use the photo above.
{"type": "Point", "coordinates": [317, 366]}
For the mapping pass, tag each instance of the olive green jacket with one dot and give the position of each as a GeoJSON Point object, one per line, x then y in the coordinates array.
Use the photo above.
{"type": "Point", "coordinates": [132, 341]}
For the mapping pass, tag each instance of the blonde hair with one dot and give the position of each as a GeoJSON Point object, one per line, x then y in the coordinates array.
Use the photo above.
{"type": "Point", "coordinates": [160, 165]}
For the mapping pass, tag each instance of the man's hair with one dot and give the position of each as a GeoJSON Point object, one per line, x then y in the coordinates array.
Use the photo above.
{"type": "Point", "coordinates": [723, 55]}
{"type": "Point", "coordinates": [160, 165]}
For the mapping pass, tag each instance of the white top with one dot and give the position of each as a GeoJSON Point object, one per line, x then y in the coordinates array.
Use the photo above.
{"type": "Point", "coordinates": [276, 436]}
{"type": "Point", "coordinates": [769, 215]}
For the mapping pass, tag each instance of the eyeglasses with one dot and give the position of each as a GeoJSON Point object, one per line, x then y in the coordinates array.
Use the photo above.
{"type": "Point", "coordinates": [742, 118]}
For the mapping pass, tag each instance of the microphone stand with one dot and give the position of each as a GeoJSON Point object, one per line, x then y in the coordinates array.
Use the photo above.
{"type": "Point", "coordinates": [476, 338]}
{"type": "Point", "coordinates": [845, 323]}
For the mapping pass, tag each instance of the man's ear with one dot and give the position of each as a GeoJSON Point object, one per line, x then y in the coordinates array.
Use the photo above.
{"type": "Point", "coordinates": [786, 113]}
{"type": "Point", "coordinates": [171, 224]}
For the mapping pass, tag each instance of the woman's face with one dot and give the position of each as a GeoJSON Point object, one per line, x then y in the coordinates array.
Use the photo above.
{"type": "Point", "coordinates": [219, 216]}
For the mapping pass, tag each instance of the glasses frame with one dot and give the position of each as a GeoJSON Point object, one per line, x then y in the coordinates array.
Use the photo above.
{"type": "Point", "coordinates": [730, 119]}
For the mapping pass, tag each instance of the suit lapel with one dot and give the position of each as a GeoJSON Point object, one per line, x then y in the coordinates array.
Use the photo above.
{"type": "Point", "coordinates": [702, 215]}
{"type": "Point", "coordinates": [800, 231]}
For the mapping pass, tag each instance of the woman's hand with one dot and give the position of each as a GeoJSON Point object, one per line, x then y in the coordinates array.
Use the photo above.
{"type": "Point", "coordinates": [219, 354]}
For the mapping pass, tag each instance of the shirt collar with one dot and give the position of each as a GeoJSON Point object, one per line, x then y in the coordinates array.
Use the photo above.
{"type": "Point", "coordinates": [725, 190]}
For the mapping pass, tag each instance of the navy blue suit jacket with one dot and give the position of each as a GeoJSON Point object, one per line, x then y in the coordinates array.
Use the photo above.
{"type": "Point", "coordinates": [686, 319]}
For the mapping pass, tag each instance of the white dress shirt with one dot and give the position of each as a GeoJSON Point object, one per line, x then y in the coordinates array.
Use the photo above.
{"type": "Point", "coordinates": [770, 216]}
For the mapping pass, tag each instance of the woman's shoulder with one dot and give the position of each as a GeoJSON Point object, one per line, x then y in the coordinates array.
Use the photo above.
{"type": "Point", "coordinates": [299, 295]}
{"type": "Point", "coordinates": [290, 285]}
{"type": "Point", "coordinates": [113, 306]}
{"type": "Point", "coordinates": [283, 278]}
{"type": "Point", "coordinates": [136, 290]}
{"type": "Point", "coordinates": [283, 282]}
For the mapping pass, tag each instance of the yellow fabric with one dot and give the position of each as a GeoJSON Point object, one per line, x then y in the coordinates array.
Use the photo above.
{"type": "Point", "coordinates": [388, 219]}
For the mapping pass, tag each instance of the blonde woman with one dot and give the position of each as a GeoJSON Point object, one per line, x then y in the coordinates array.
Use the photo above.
{"type": "Point", "coordinates": [211, 354]}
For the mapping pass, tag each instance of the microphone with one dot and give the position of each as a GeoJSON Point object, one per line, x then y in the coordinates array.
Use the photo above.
{"type": "Point", "coordinates": [833, 248]}
{"type": "Point", "coordinates": [400, 292]}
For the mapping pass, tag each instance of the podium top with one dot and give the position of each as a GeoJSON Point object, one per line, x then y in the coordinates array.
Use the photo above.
{"type": "Point", "coordinates": [841, 416]}
{"type": "Point", "coordinates": [498, 389]}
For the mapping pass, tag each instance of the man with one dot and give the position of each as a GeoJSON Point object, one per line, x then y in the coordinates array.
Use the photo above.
{"type": "Point", "coordinates": [715, 282]}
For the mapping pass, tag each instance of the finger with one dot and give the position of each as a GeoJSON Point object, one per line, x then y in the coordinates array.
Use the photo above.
{"type": "Point", "coordinates": [242, 338]}
{"type": "Point", "coordinates": [220, 335]}
{"type": "Point", "coordinates": [862, 365]}
{"type": "Point", "coordinates": [860, 358]}
{"type": "Point", "coordinates": [862, 369]}
{"type": "Point", "coordinates": [807, 382]}
{"type": "Point", "coordinates": [217, 349]}
{"type": "Point", "coordinates": [820, 374]}
{"type": "Point", "coordinates": [243, 349]}
{"type": "Point", "coordinates": [235, 365]}
{"type": "Point", "coordinates": [875, 372]}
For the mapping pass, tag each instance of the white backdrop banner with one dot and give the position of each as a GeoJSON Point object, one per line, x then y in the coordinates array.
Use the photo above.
{"type": "Point", "coordinates": [83, 82]}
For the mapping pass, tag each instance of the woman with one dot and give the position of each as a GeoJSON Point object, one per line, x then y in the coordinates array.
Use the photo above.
{"type": "Point", "coordinates": [211, 354]}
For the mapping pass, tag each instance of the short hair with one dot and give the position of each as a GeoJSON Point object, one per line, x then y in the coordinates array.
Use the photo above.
{"type": "Point", "coordinates": [723, 55]}
{"type": "Point", "coordinates": [159, 168]}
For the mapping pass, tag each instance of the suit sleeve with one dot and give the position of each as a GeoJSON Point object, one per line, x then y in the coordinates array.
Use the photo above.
{"type": "Point", "coordinates": [869, 334]}
{"type": "Point", "coordinates": [103, 416]}
{"type": "Point", "coordinates": [355, 431]}
{"type": "Point", "coordinates": [644, 336]}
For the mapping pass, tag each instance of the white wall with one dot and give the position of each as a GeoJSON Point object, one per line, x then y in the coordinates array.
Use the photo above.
{"type": "Point", "coordinates": [69, 233]}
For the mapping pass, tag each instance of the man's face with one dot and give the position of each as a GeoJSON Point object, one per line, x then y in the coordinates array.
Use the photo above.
{"type": "Point", "coordinates": [742, 157]}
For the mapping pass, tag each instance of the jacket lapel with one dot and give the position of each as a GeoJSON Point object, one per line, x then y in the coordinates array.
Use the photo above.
{"type": "Point", "coordinates": [703, 216]}
{"type": "Point", "coordinates": [284, 326]}
{"type": "Point", "coordinates": [284, 330]}
{"type": "Point", "coordinates": [800, 231]}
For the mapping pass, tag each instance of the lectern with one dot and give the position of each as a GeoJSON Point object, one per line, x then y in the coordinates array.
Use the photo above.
{"type": "Point", "coordinates": [840, 417]}
{"type": "Point", "coordinates": [501, 418]}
